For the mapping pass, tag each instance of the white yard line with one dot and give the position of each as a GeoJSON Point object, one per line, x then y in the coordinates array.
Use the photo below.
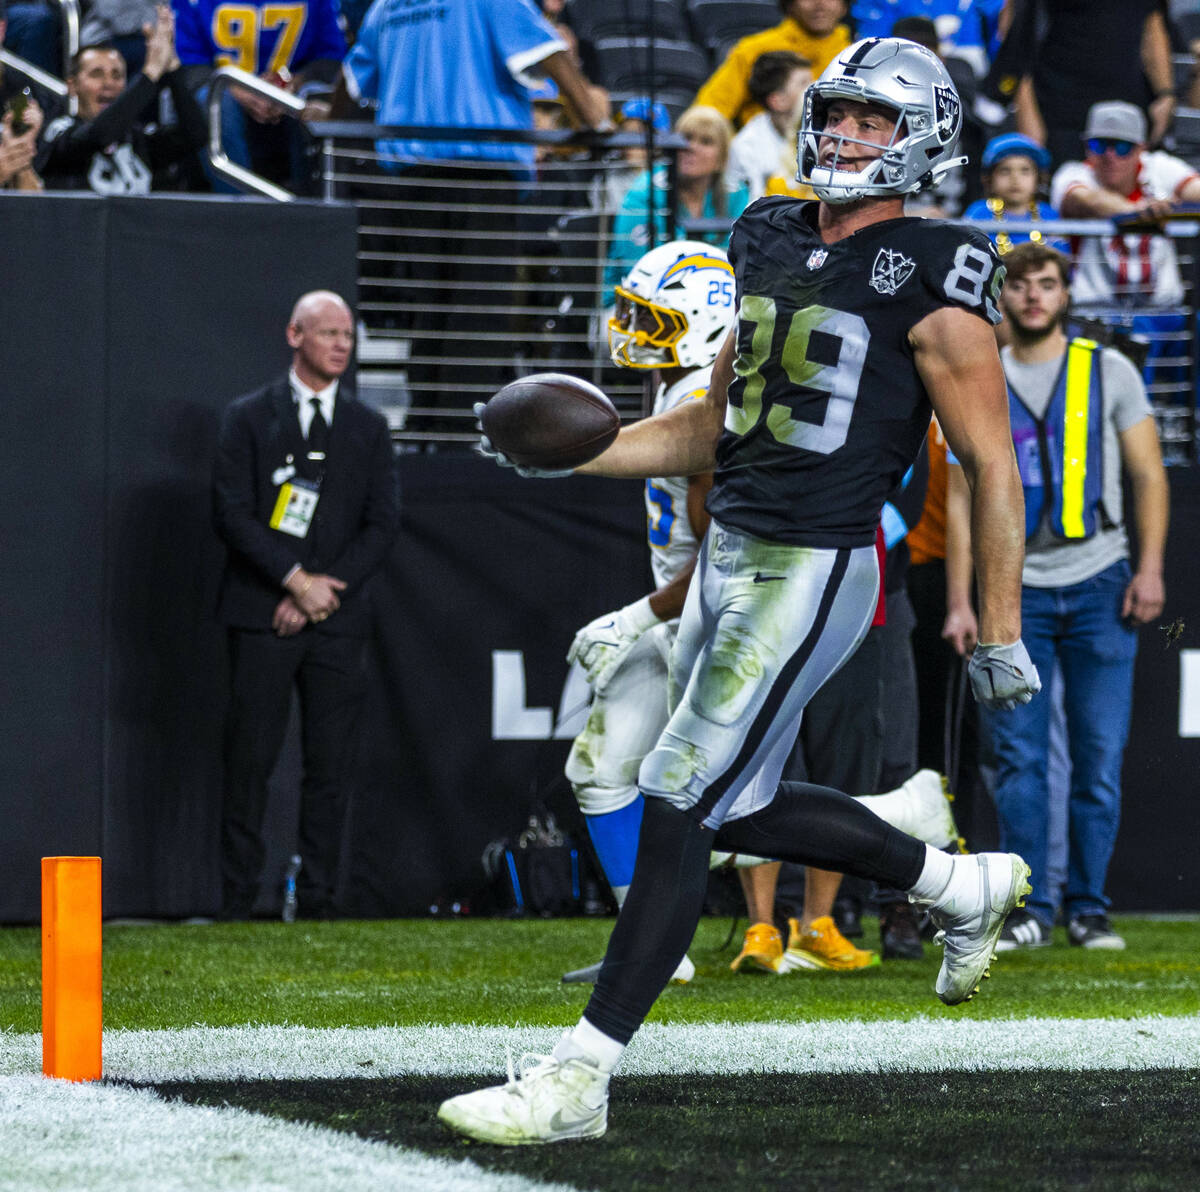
{"type": "Point", "coordinates": [920, 1045]}
{"type": "Point", "coordinates": [106, 1138]}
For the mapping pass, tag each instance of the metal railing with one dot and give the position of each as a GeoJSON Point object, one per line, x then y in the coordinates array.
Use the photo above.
{"type": "Point", "coordinates": [473, 272]}
{"type": "Point", "coordinates": [33, 73]}
{"type": "Point", "coordinates": [70, 26]}
{"type": "Point", "coordinates": [233, 172]}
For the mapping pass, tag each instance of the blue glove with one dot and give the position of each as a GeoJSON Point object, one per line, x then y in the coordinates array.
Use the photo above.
{"type": "Point", "coordinates": [1003, 676]}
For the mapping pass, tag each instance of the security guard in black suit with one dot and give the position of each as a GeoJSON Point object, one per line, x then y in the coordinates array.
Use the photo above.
{"type": "Point", "coordinates": [306, 501]}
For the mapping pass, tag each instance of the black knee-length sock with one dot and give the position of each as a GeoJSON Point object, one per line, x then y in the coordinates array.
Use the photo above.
{"type": "Point", "coordinates": [657, 922]}
{"type": "Point", "coordinates": [814, 825]}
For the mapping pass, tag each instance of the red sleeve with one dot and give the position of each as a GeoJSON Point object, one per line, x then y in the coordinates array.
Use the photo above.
{"type": "Point", "coordinates": [881, 555]}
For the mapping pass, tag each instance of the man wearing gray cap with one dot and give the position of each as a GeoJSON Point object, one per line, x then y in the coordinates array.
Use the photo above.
{"type": "Point", "coordinates": [1118, 175]}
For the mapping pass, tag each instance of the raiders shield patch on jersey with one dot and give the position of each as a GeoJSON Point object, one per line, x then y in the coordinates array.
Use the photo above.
{"type": "Point", "coordinates": [817, 258]}
{"type": "Point", "coordinates": [890, 271]}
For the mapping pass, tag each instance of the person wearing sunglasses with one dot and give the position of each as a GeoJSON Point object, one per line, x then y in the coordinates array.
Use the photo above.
{"type": "Point", "coordinates": [1119, 175]}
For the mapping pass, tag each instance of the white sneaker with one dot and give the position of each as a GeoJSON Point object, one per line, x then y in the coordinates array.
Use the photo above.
{"type": "Point", "coordinates": [683, 973]}
{"type": "Point", "coordinates": [970, 913]}
{"type": "Point", "coordinates": [921, 808]}
{"type": "Point", "coordinates": [718, 860]}
{"type": "Point", "coordinates": [548, 1101]}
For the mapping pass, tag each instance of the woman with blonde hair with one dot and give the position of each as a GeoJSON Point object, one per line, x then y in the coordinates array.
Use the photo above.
{"type": "Point", "coordinates": [701, 189]}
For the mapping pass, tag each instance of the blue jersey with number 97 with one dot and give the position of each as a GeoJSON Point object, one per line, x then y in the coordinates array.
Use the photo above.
{"type": "Point", "coordinates": [259, 37]}
{"type": "Point", "coordinates": [827, 411]}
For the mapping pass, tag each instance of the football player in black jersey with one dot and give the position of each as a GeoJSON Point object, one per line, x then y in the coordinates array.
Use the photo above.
{"type": "Point", "coordinates": [852, 321]}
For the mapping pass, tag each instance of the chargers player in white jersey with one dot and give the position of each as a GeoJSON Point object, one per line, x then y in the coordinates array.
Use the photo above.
{"type": "Point", "coordinates": [672, 313]}
{"type": "Point", "coordinates": [853, 323]}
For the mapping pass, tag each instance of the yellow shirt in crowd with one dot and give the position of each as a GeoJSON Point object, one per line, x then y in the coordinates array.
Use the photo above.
{"type": "Point", "coordinates": [727, 89]}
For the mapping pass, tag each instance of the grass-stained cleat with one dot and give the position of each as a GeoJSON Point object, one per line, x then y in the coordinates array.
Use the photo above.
{"type": "Point", "coordinates": [822, 946]}
{"type": "Point", "coordinates": [547, 1100]}
{"type": "Point", "coordinates": [969, 913]}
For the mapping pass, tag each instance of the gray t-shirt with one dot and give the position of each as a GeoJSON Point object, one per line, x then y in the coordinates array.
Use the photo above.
{"type": "Point", "coordinates": [1051, 562]}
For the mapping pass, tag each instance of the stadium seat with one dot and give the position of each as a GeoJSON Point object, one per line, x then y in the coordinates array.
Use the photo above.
{"type": "Point", "coordinates": [594, 20]}
{"type": "Point", "coordinates": [624, 64]}
{"type": "Point", "coordinates": [718, 24]}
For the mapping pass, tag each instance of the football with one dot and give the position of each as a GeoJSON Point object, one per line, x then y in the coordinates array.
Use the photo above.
{"type": "Point", "coordinates": [550, 420]}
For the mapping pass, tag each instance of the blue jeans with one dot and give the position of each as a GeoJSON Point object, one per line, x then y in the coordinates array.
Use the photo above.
{"type": "Point", "coordinates": [1081, 627]}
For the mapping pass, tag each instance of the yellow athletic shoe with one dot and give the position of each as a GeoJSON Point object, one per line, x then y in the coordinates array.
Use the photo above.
{"type": "Point", "coordinates": [762, 946]}
{"type": "Point", "coordinates": [822, 946]}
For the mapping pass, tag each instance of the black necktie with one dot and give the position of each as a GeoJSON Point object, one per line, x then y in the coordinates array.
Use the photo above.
{"type": "Point", "coordinates": [318, 428]}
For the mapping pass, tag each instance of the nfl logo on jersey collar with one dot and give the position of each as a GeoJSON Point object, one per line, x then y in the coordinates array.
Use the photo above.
{"type": "Point", "coordinates": [890, 271]}
{"type": "Point", "coordinates": [817, 258]}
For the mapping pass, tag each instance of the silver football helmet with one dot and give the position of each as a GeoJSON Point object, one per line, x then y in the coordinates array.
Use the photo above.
{"type": "Point", "coordinates": [673, 308]}
{"type": "Point", "coordinates": [904, 77]}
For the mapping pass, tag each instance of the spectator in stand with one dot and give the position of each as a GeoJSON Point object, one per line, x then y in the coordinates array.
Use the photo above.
{"type": "Point", "coordinates": [1014, 171]}
{"type": "Point", "coordinates": [19, 130]}
{"type": "Point", "coordinates": [810, 28]}
{"type": "Point", "coordinates": [636, 117]}
{"type": "Point", "coordinates": [1072, 54]}
{"type": "Point", "coordinates": [34, 33]}
{"type": "Point", "coordinates": [486, 56]}
{"type": "Point", "coordinates": [777, 82]}
{"type": "Point", "coordinates": [119, 23]}
{"type": "Point", "coordinates": [962, 25]}
{"type": "Point", "coordinates": [297, 47]}
{"type": "Point", "coordinates": [1119, 176]}
{"type": "Point", "coordinates": [701, 187]}
{"type": "Point", "coordinates": [105, 147]}
{"type": "Point", "coordinates": [1081, 601]}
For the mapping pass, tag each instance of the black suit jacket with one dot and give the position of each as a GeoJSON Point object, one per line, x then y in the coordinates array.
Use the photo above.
{"type": "Point", "coordinates": [357, 516]}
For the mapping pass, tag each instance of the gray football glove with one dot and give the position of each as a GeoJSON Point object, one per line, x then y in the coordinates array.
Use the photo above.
{"type": "Point", "coordinates": [1003, 676]}
{"type": "Point", "coordinates": [603, 644]}
{"type": "Point", "coordinates": [484, 447]}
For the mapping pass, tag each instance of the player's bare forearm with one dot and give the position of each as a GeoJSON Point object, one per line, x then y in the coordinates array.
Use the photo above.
{"type": "Point", "coordinates": [997, 546]}
{"type": "Point", "coordinates": [956, 355]}
{"type": "Point", "coordinates": [680, 442]}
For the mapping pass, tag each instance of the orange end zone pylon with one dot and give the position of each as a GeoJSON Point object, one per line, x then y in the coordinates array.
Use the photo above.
{"type": "Point", "coordinates": [71, 989]}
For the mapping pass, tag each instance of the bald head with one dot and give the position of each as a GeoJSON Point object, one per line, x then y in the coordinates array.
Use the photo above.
{"type": "Point", "coordinates": [321, 336]}
{"type": "Point", "coordinates": [315, 304]}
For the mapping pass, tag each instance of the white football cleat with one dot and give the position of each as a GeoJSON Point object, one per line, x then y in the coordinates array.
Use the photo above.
{"type": "Point", "coordinates": [970, 914]}
{"type": "Point", "coordinates": [920, 808]}
{"type": "Point", "coordinates": [683, 973]}
{"type": "Point", "coordinates": [549, 1100]}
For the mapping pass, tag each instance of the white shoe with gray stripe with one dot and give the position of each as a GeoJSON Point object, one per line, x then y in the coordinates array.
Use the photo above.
{"type": "Point", "coordinates": [548, 1100]}
{"type": "Point", "coordinates": [970, 913]}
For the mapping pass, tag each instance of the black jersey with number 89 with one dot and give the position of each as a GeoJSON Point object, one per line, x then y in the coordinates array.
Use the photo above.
{"type": "Point", "coordinates": [826, 409]}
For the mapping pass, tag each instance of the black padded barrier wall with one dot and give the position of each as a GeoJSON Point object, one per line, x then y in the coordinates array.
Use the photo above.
{"type": "Point", "coordinates": [126, 326]}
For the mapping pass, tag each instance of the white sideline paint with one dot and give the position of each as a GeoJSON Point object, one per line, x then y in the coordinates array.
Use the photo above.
{"type": "Point", "coordinates": [919, 1045]}
{"type": "Point", "coordinates": [110, 1139]}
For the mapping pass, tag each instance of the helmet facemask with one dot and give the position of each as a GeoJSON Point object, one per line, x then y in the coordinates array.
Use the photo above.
{"type": "Point", "coordinates": [642, 334]}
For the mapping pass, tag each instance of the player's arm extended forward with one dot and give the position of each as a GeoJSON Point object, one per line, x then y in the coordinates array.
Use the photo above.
{"type": "Point", "coordinates": [956, 356]}
{"type": "Point", "coordinates": [680, 442]}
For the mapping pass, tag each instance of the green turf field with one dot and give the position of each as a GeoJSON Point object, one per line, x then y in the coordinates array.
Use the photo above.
{"type": "Point", "coordinates": [842, 1098]}
{"type": "Point", "coordinates": [506, 971]}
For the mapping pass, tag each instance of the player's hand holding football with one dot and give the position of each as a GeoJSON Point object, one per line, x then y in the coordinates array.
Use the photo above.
{"type": "Point", "coordinates": [1003, 676]}
{"type": "Point", "coordinates": [485, 448]}
{"type": "Point", "coordinates": [603, 644]}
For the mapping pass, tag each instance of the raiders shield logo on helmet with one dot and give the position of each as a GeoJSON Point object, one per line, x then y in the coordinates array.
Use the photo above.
{"type": "Point", "coordinates": [946, 106]}
{"type": "Point", "coordinates": [890, 271]}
